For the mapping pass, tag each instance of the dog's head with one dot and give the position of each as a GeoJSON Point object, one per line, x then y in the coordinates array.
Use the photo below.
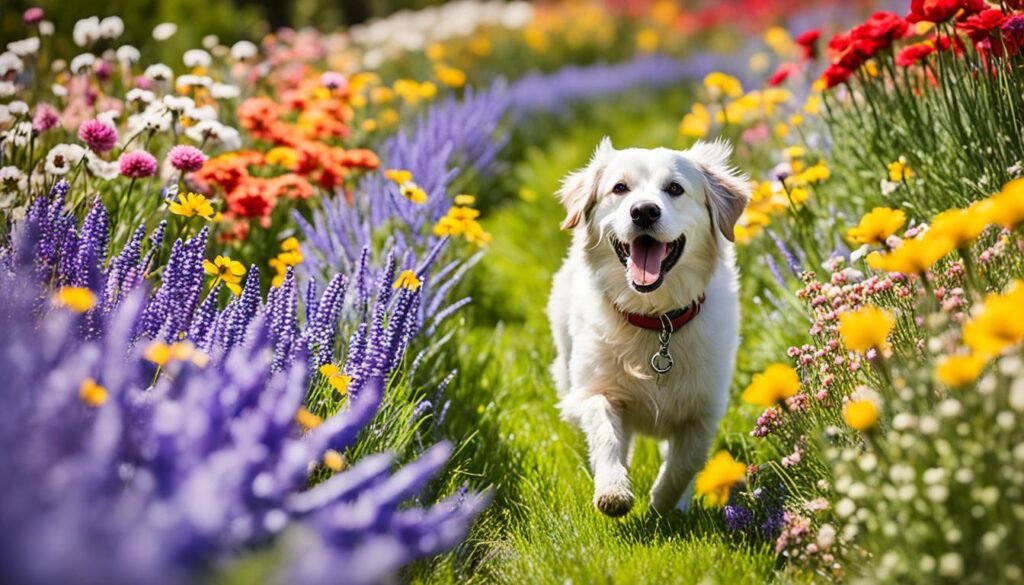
{"type": "Point", "coordinates": [657, 215]}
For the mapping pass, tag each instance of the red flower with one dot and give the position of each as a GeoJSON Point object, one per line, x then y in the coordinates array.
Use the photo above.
{"type": "Point", "coordinates": [782, 74]}
{"type": "Point", "coordinates": [835, 74]}
{"type": "Point", "coordinates": [941, 10]}
{"type": "Point", "coordinates": [882, 28]}
{"type": "Point", "coordinates": [981, 26]}
{"type": "Point", "coordinates": [808, 41]}
{"type": "Point", "coordinates": [912, 54]}
{"type": "Point", "coordinates": [251, 199]}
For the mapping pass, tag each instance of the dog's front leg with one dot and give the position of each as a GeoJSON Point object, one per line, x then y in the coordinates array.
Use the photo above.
{"type": "Point", "coordinates": [608, 440]}
{"type": "Point", "coordinates": [685, 455]}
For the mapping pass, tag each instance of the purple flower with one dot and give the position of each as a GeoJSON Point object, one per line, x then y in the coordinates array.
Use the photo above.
{"type": "Point", "coordinates": [32, 16]}
{"type": "Point", "coordinates": [98, 135]}
{"type": "Point", "coordinates": [137, 164]}
{"type": "Point", "coordinates": [187, 159]}
{"type": "Point", "coordinates": [737, 517]}
{"type": "Point", "coordinates": [45, 118]}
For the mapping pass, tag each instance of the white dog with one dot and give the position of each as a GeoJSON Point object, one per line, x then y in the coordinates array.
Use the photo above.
{"type": "Point", "coordinates": [645, 311]}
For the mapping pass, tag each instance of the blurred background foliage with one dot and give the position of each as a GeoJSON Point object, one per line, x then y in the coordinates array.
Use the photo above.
{"type": "Point", "coordinates": [230, 20]}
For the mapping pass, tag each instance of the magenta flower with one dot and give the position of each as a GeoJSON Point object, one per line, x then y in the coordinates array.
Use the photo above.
{"type": "Point", "coordinates": [98, 135]}
{"type": "Point", "coordinates": [187, 159]}
{"type": "Point", "coordinates": [45, 118]}
{"type": "Point", "coordinates": [137, 164]}
{"type": "Point", "coordinates": [32, 16]}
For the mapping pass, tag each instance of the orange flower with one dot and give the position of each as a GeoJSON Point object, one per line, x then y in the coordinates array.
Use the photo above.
{"type": "Point", "coordinates": [292, 186]}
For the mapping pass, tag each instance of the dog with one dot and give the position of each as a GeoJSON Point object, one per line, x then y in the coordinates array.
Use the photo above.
{"type": "Point", "coordinates": [645, 311]}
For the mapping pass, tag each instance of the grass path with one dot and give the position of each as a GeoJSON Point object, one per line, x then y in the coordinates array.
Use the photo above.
{"type": "Point", "coordinates": [542, 527]}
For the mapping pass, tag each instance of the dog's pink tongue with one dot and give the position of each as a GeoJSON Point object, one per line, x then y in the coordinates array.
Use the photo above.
{"type": "Point", "coordinates": [645, 255]}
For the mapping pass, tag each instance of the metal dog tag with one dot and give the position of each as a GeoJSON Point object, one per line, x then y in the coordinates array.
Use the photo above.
{"type": "Point", "coordinates": [662, 361]}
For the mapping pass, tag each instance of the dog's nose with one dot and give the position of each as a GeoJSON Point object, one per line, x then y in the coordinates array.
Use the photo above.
{"type": "Point", "coordinates": [645, 214]}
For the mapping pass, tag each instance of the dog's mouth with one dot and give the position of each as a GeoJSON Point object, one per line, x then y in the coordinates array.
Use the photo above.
{"type": "Point", "coordinates": [647, 260]}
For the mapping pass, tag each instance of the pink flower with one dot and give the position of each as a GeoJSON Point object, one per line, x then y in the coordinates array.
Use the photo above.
{"type": "Point", "coordinates": [137, 164]}
{"type": "Point", "coordinates": [45, 118]}
{"type": "Point", "coordinates": [334, 80]}
{"type": "Point", "coordinates": [98, 135]}
{"type": "Point", "coordinates": [32, 16]}
{"type": "Point", "coordinates": [187, 159]}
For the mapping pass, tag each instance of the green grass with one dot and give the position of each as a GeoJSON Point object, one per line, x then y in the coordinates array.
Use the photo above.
{"type": "Point", "coordinates": [541, 526]}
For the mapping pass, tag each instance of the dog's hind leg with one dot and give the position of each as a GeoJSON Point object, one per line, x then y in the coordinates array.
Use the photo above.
{"type": "Point", "coordinates": [609, 442]}
{"type": "Point", "coordinates": [684, 457]}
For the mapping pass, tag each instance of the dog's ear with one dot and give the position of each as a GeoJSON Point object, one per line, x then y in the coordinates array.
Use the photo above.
{"type": "Point", "coordinates": [579, 188]}
{"type": "Point", "coordinates": [728, 189]}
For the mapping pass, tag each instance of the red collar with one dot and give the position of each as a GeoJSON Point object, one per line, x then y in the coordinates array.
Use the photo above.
{"type": "Point", "coordinates": [677, 317]}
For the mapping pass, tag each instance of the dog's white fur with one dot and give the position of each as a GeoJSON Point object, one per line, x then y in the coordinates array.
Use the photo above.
{"type": "Point", "coordinates": [603, 373]}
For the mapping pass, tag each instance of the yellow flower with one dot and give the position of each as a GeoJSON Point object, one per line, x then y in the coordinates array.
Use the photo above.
{"type": "Point", "coordinates": [772, 386]}
{"type": "Point", "coordinates": [399, 176]}
{"type": "Point", "coordinates": [162, 354]}
{"type": "Point", "coordinates": [368, 125]}
{"type": "Point", "coordinates": [307, 419]}
{"type": "Point", "coordinates": [647, 40]}
{"type": "Point", "coordinates": [381, 95]}
{"type": "Point", "coordinates": [1007, 206]}
{"type": "Point", "coordinates": [337, 380]}
{"type": "Point", "coordinates": [76, 298]}
{"type": "Point", "coordinates": [226, 270]}
{"type": "Point", "coordinates": [816, 173]}
{"type": "Point", "coordinates": [334, 460]}
{"type": "Point", "coordinates": [719, 84]}
{"type": "Point", "coordinates": [283, 156]}
{"type": "Point", "coordinates": [913, 256]}
{"type": "Point", "coordinates": [866, 328]}
{"type": "Point", "coordinates": [697, 123]}
{"type": "Point", "coordinates": [877, 225]}
{"type": "Point", "coordinates": [408, 280]}
{"type": "Point", "coordinates": [192, 205]}
{"type": "Point", "coordinates": [779, 40]}
{"type": "Point", "coordinates": [413, 192]}
{"type": "Point", "coordinates": [465, 199]}
{"type": "Point", "coordinates": [435, 51]}
{"type": "Point", "coordinates": [92, 393]}
{"type": "Point", "coordinates": [449, 76]}
{"type": "Point", "coordinates": [719, 475]}
{"type": "Point", "coordinates": [861, 415]}
{"type": "Point", "coordinates": [480, 45]}
{"type": "Point", "coordinates": [899, 171]}
{"type": "Point", "coordinates": [958, 225]}
{"type": "Point", "coordinates": [813, 105]}
{"type": "Point", "coordinates": [959, 370]}
{"type": "Point", "coordinates": [999, 324]}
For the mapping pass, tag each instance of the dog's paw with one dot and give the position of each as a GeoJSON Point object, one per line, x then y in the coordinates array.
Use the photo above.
{"type": "Point", "coordinates": [614, 501]}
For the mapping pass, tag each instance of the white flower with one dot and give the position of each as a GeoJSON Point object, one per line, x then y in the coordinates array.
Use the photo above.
{"type": "Point", "coordinates": [159, 72]}
{"type": "Point", "coordinates": [5, 114]}
{"type": "Point", "coordinates": [164, 31]}
{"type": "Point", "coordinates": [46, 28]}
{"type": "Point", "coordinates": [86, 31]}
{"type": "Point", "coordinates": [109, 117]}
{"type": "Point", "coordinates": [888, 187]}
{"type": "Point", "coordinates": [7, 89]}
{"type": "Point", "coordinates": [213, 132]}
{"type": "Point", "coordinates": [139, 95]}
{"type": "Point", "coordinates": [950, 408]}
{"type": "Point", "coordinates": [100, 168]}
{"type": "Point", "coordinates": [951, 565]}
{"type": "Point", "coordinates": [58, 90]}
{"type": "Point", "coordinates": [63, 157]}
{"type": "Point", "coordinates": [12, 180]}
{"type": "Point", "coordinates": [188, 81]}
{"type": "Point", "coordinates": [826, 536]}
{"type": "Point", "coordinates": [20, 134]}
{"type": "Point", "coordinates": [224, 91]}
{"type": "Point", "coordinates": [10, 63]}
{"type": "Point", "coordinates": [24, 47]}
{"type": "Point", "coordinates": [128, 54]}
{"type": "Point", "coordinates": [196, 58]}
{"type": "Point", "coordinates": [201, 113]}
{"type": "Point", "coordinates": [82, 63]}
{"type": "Point", "coordinates": [18, 108]}
{"type": "Point", "coordinates": [178, 104]}
{"type": "Point", "coordinates": [244, 50]}
{"type": "Point", "coordinates": [845, 508]}
{"type": "Point", "coordinates": [111, 27]}
{"type": "Point", "coordinates": [210, 41]}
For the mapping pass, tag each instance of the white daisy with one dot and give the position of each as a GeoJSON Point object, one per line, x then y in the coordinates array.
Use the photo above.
{"type": "Point", "coordinates": [63, 157]}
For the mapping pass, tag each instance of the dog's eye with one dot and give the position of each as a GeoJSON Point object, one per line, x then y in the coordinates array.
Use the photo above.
{"type": "Point", "coordinates": [620, 188]}
{"type": "Point", "coordinates": [674, 189]}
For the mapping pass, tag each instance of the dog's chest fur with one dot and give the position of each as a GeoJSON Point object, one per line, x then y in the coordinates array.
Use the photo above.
{"type": "Point", "coordinates": [607, 355]}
